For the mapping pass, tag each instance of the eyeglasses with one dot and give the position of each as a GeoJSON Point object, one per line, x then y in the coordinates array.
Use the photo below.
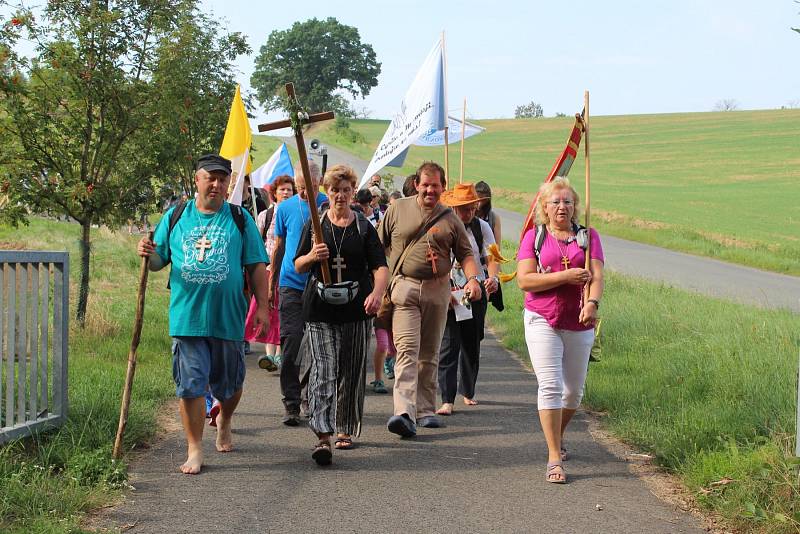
{"type": "Point", "coordinates": [564, 201]}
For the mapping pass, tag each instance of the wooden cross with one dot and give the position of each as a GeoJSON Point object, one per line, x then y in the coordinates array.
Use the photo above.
{"type": "Point", "coordinates": [432, 257]}
{"type": "Point", "coordinates": [339, 266]}
{"type": "Point", "coordinates": [301, 150]}
{"type": "Point", "coordinates": [202, 245]}
{"type": "Point", "coordinates": [565, 262]}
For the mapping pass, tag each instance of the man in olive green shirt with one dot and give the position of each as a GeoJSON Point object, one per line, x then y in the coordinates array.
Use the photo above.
{"type": "Point", "coordinates": [421, 294]}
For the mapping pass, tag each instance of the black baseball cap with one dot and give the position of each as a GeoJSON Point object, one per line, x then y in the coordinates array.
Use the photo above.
{"type": "Point", "coordinates": [214, 162]}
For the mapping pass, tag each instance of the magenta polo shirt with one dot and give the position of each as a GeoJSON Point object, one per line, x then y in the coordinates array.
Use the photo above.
{"type": "Point", "coordinates": [560, 306]}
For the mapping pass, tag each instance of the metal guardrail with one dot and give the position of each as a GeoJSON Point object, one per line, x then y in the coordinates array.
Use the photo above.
{"type": "Point", "coordinates": [34, 327]}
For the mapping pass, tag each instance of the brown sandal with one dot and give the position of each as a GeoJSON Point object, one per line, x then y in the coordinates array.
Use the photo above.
{"type": "Point", "coordinates": [322, 453]}
{"type": "Point", "coordinates": [343, 443]}
{"type": "Point", "coordinates": [552, 468]}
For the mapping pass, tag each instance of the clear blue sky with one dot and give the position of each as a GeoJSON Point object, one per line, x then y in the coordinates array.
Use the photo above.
{"type": "Point", "coordinates": [633, 56]}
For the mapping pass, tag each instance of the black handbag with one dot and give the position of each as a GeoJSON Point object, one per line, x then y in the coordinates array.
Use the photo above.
{"type": "Point", "coordinates": [496, 298]}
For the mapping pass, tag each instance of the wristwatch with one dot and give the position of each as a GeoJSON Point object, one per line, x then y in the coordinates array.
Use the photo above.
{"type": "Point", "coordinates": [595, 301]}
{"type": "Point", "coordinates": [473, 277]}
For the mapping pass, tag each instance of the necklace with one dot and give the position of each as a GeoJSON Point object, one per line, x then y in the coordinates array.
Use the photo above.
{"type": "Point", "coordinates": [338, 262]}
{"type": "Point", "coordinates": [430, 253]}
{"type": "Point", "coordinates": [564, 257]}
{"type": "Point", "coordinates": [300, 208]}
{"type": "Point", "coordinates": [204, 243]}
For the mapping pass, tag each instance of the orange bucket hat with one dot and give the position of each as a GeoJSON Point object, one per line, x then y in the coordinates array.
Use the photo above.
{"type": "Point", "coordinates": [460, 195]}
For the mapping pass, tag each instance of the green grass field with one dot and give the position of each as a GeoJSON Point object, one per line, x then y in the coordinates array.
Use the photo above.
{"type": "Point", "coordinates": [49, 483]}
{"type": "Point", "coordinates": [713, 184]}
{"type": "Point", "coordinates": [707, 386]}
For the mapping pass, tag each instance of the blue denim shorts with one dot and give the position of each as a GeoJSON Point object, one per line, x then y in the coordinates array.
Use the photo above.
{"type": "Point", "coordinates": [201, 363]}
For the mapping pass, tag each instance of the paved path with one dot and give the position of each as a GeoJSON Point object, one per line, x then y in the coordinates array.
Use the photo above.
{"type": "Point", "coordinates": [484, 472]}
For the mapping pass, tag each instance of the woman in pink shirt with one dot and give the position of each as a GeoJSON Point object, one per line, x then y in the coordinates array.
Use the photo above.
{"type": "Point", "coordinates": [559, 328]}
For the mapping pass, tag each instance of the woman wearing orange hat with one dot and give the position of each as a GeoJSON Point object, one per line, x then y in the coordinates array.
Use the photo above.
{"type": "Point", "coordinates": [459, 355]}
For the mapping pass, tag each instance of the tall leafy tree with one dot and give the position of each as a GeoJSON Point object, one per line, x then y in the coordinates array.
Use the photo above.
{"type": "Point", "coordinates": [73, 106]}
{"type": "Point", "coordinates": [117, 97]}
{"type": "Point", "coordinates": [321, 57]}
{"type": "Point", "coordinates": [196, 79]}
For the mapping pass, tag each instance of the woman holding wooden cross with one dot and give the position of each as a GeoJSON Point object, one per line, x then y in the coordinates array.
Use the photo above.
{"type": "Point", "coordinates": [338, 315]}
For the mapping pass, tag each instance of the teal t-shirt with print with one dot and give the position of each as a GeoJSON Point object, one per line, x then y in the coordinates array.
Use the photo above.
{"type": "Point", "coordinates": [206, 280]}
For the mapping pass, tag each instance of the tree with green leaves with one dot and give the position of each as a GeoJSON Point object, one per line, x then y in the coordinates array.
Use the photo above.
{"type": "Point", "coordinates": [72, 107]}
{"type": "Point", "coordinates": [531, 110]}
{"type": "Point", "coordinates": [321, 57]}
{"type": "Point", "coordinates": [195, 76]}
{"type": "Point", "coordinates": [119, 96]}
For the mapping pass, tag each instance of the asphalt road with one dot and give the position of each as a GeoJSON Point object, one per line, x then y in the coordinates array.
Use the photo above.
{"type": "Point", "coordinates": [484, 472]}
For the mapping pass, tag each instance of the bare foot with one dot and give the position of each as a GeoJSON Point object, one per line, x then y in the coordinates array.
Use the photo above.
{"type": "Point", "coordinates": [470, 402]}
{"type": "Point", "coordinates": [193, 463]}
{"type": "Point", "coordinates": [446, 409]}
{"type": "Point", "coordinates": [224, 438]}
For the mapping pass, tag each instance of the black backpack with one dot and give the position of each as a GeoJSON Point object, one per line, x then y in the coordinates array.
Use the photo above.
{"type": "Point", "coordinates": [495, 298]}
{"type": "Point", "coordinates": [581, 236]}
{"type": "Point", "coordinates": [362, 222]}
{"type": "Point", "coordinates": [236, 212]}
{"type": "Point", "coordinates": [267, 221]}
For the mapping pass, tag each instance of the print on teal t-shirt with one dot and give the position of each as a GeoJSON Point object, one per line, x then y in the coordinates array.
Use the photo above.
{"type": "Point", "coordinates": [290, 217]}
{"type": "Point", "coordinates": [206, 283]}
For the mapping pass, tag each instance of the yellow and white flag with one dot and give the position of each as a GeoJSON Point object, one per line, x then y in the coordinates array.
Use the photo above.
{"type": "Point", "coordinates": [236, 146]}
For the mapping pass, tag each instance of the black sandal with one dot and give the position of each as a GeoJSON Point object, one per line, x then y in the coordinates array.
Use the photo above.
{"type": "Point", "coordinates": [322, 453]}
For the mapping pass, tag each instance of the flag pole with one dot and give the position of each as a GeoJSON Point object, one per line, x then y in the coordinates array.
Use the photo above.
{"type": "Point", "coordinates": [252, 187]}
{"type": "Point", "coordinates": [446, 117]}
{"type": "Point", "coordinates": [588, 260]}
{"type": "Point", "coordinates": [463, 128]}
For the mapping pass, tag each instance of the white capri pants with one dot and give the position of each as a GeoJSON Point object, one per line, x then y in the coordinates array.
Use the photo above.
{"type": "Point", "coordinates": [560, 359]}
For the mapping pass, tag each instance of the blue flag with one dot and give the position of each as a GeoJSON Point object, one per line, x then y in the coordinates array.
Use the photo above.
{"type": "Point", "coordinates": [278, 164]}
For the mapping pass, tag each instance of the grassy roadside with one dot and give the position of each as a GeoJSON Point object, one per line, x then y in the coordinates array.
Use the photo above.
{"type": "Point", "coordinates": [696, 182]}
{"type": "Point", "coordinates": [48, 483]}
{"type": "Point", "coordinates": [707, 386]}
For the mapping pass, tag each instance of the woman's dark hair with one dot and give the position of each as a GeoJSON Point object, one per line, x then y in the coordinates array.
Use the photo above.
{"type": "Point", "coordinates": [484, 191]}
{"type": "Point", "coordinates": [364, 196]}
{"type": "Point", "coordinates": [410, 186]}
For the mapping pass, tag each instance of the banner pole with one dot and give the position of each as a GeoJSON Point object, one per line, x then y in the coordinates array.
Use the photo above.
{"type": "Point", "coordinates": [463, 128]}
{"type": "Point", "coordinates": [446, 117]}
{"type": "Point", "coordinates": [253, 207]}
{"type": "Point", "coordinates": [587, 195]}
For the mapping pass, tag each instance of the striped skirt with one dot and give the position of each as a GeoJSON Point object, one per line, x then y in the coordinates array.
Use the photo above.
{"type": "Point", "coordinates": [338, 373]}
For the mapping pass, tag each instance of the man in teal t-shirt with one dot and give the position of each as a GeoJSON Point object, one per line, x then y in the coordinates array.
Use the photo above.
{"type": "Point", "coordinates": [208, 252]}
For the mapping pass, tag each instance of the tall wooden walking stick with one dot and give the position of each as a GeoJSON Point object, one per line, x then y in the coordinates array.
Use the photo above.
{"type": "Point", "coordinates": [588, 261]}
{"type": "Point", "coordinates": [137, 332]}
{"type": "Point", "coordinates": [297, 118]}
